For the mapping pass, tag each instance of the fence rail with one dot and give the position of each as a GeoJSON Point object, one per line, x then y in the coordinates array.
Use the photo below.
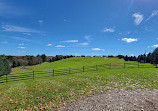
{"type": "Point", "coordinates": [57, 72]}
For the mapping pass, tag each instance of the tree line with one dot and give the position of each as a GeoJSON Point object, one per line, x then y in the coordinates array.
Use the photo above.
{"type": "Point", "coordinates": [8, 62]}
{"type": "Point", "coordinates": [143, 58]}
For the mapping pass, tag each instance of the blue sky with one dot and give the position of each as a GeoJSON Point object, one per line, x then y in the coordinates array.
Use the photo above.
{"type": "Point", "coordinates": [78, 27]}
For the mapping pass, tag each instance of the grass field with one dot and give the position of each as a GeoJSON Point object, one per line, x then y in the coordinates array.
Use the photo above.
{"type": "Point", "coordinates": [53, 93]}
{"type": "Point", "coordinates": [67, 63]}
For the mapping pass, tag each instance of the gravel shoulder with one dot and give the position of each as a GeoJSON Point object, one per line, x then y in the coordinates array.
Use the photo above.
{"type": "Point", "coordinates": [114, 100]}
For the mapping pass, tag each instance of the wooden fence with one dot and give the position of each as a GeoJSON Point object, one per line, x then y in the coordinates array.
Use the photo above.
{"type": "Point", "coordinates": [57, 72]}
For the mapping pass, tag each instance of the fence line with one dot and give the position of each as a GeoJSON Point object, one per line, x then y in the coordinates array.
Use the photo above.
{"type": "Point", "coordinates": [57, 72]}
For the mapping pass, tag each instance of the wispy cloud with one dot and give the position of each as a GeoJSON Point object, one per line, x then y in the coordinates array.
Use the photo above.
{"type": "Point", "coordinates": [98, 49]}
{"type": "Point", "coordinates": [138, 18]}
{"type": "Point", "coordinates": [70, 41]}
{"type": "Point", "coordinates": [21, 39]}
{"type": "Point", "coordinates": [108, 30]}
{"type": "Point", "coordinates": [22, 44]}
{"type": "Point", "coordinates": [60, 46]}
{"type": "Point", "coordinates": [7, 10]}
{"type": "Point", "coordinates": [155, 45]}
{"type": "Point", "coordinates": [88, 38]}
{"type": "Point", "coordinates": [84, 44]}
{"type": "Point", "coordinates": [49, 44]}
{"type": "Point", "coordinates": [154, 13]}
{"type": "Point", "coordinates": [13, 28]}
{"type": "Point", "coordinates": [22, 47]}
{"type": "Point", "coordinates": [129, 40]}
{"type": "Point", "coordinates": [27, 34]}
{"type": "Point", "coordinates": [4, 42]}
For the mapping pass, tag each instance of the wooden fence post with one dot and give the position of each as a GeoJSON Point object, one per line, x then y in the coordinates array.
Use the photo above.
{"type": "Point", "coordinates": [33, 75]}
{"type": "Point", "coordinates": [53, 72]}
{"type": "Point", "coordinates": [83, 68]}
{"type": "Point", "coordinates": [6, 78]}
{"type": "Point", "coordinates": [96, 67]}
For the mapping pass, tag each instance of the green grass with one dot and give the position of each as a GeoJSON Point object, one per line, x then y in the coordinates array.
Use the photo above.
{"type": "Point", "coordinates": [54, 92]}
{"type": "Point", "coordinates": [67, 63]}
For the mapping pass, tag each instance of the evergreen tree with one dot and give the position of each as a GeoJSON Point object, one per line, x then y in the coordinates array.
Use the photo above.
{"type": "Point", "coordinates": [155, 57]}
{"type": "Point", "coordinates": [149, 58]}
{"type": "Point", "coordinates": [126, 58]}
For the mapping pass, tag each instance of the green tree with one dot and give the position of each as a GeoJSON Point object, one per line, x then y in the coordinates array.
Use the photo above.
{"type": "Point", "coordinates": [44, 58]}
{"type": "Point", "coordinates": [4, 66]}
{"type": "Point", "coordinates": [155, 57]}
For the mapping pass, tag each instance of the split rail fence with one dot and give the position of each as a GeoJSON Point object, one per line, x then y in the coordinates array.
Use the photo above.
{"type": "Point", "coordinates": [57, 72]}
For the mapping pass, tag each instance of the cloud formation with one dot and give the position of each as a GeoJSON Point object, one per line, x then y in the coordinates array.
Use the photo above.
{"type": "Point", "coordinates": [98, 49]}
{"type": "Point", "coordinates": [84, 43]}
{"type": "Point", "coordinates": [22, 47]}
{"type": "Point", "coordinates": [108, 30]}
{"type": "Point", "coordinates": [5, 42]}
{"type": "Point", "coordinates": [13, 28]}
{"type": "Point", "coordinates": [49, 44]}
{"type": "Point", "coordinates": [129, 40]}
{"type": "Point", "coordinates": [88, 38]}
{"type": "Point", "coordinates": [155, 45]}
{"type": "Point", "coordinates": [60, 46]}
{"type": "Point", "coordinates": [138, 18]}
{"type": "Point", "coordinates": [154, 13]}
{"type": "Point", "coordinates": [21, 39]}
{"type": "Point", "coordinates": [22, 44]}
{"type": "Point", "coordinates": [70, 41]}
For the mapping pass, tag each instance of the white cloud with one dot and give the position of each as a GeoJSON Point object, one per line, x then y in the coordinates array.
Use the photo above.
{"type": "Point", "coordinates": [108, 30]}
{"type": "Point", "coordinates": [22, 47]}
{"type": "Point", "coordinates": [88, 37]}
{"type": "Point", "coordinates": [128, 40]}
{"type": "Point", "coordinates": [98, 49]}
{"type": "Point", "coordinates": [138, 18]}
{"type": "Point", "coordinates": [21, 39]}
{"type": "Point", "coordinates": [22, 44]}
{"type": "Point", "coordinates": [26, 33]}
{"type": "Point", "coordinates": [5, 42]}
{"type": "Point", "coordinates": [12, 28]}
{"type": "Point", "coordinates": [154, 13]}
{"type": "Point", "coordinates": [49, 44]}
{"type": "Point", "coordinates": [84, 43]}
{"type": "Point", "coordinates": [70, 41]}
{"type": "Point", "coordinates": [60, 46]}
{"type": "Point", "coordinates": [155, 45]}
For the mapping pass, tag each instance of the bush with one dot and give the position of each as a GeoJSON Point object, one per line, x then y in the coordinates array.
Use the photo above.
{"type": "Point", "coordinates": [4, 66]}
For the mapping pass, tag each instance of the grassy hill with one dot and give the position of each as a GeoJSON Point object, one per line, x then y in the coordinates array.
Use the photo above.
{"type": "Point", "coordinates": [68, 63]}
{"type": "Point", "coordinates": [54, 92]}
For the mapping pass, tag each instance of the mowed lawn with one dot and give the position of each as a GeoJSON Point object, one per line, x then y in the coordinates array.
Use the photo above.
{"type": "Point", "coordinates": [54, 92]}
{"type": "Point", "coordinates": [68, 63]}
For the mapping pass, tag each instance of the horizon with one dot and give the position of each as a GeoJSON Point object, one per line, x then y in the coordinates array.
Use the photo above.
{"type": "Point", "coordinates": [85, 27]}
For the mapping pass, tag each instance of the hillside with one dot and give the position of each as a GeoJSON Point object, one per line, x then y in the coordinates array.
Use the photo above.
{"type": "Point", "coordinates": [68, 63]}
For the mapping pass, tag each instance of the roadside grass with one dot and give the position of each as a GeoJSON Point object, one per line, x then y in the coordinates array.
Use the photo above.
{"type": "Point", "coordinates": [55, 92]}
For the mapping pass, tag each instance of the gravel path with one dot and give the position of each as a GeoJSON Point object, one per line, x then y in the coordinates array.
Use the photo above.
{"type": "Point", "coordinates": [123, 100]}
